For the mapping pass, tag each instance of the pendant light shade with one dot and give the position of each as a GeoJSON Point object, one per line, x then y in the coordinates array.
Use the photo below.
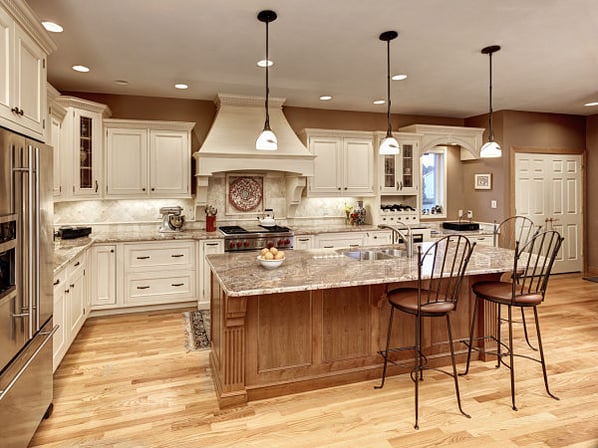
{"type": "Point", "coordinates": [389, 145]}
{"type": "Point", "coordinates": [267, 141]}
{"type": "Point", "coordinates": [490, 149]}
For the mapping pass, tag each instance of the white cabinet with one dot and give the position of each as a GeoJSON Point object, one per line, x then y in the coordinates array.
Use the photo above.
{"type": "Point", "coordinates": [207, 247]}
{"type": "Point", "coordinates": [60, 342]}
{"type": "Point", "coordinates": [81, 173]}
{"type": "Point", "coordinates": [148, 159]}
{"type": "Point", "coordinates": [378, 238]}
{"type": "Point", "coordinates": [344, 164]}
{"type": "Point", "coordinates": [55, 136]}
{"type": "Point", "coordinates": [303, 242]}
{"type": "Point", "coordinates": [484, 240]}
{"type": "Point", "coordinates": [71, 304]}
{"type": "Point", "coordinates": [341, 239]}
{"type": "Point", "coordinates": [399, 174]}
{"type": "Point", "coordinates": [23, 72]}
{"type": "Point", "coordinates": [103, 276]}
{"type": "Point", "coordinates": [159, 273]}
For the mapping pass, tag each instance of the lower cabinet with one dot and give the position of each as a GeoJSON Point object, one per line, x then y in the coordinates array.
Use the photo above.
{"type": "Point", "coordinates": [378, 238]}
{"type": "Point", "coordinates": [71, 304]}
{"type": "Point", "coordinates": [303, 242]}
{"type": "Point", "coordinates": [129, 275]}
{"type": "Point", "coordinates": [206, 247]}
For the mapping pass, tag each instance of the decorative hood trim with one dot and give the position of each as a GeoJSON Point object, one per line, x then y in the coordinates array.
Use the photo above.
{"type": "Point", "coordinates": [230, 143]}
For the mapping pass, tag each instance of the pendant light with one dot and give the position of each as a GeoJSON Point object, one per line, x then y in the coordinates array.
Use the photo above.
{"type": "Point", "coordinates": [267, 140]}
{"type": "Point", "coordinates": [389, 145]}
{"type": "Point", "coordinates": [490, 149]}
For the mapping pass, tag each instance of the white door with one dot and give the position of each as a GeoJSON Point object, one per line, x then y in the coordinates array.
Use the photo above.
{"type": "Point", "coordinates": [548, 191]}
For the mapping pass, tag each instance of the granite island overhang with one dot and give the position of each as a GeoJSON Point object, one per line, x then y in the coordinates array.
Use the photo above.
{"type": "Point", "coordinates": [320, 319]}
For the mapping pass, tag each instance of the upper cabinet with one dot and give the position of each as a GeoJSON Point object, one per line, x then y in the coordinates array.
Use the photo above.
{"type": "Point", "coordinates": [54, 136]}
{"type": "Point", "coordinates": [344, 164]}
{"type": "Point", "coordinates": [400, 174]}
{"type": "Point", "coordinates": [81, 151]}
{"type": "Point", "coordinates": [148, 159]}
{"type": "Point", "coordinates": [24, 46]}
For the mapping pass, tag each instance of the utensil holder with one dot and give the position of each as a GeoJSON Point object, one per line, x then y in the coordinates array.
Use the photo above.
{"type": "Point", "coordinates": [211, 223]}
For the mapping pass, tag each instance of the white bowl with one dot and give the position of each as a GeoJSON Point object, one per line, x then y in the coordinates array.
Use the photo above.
{"type": "Point", "coordinates": [269, 264]}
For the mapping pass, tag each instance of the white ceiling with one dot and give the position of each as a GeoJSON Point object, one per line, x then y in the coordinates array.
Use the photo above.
{"type": "Point", "coordinates": [548, 61]}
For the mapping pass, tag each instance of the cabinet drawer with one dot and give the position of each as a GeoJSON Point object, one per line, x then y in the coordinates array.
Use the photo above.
{"type": "Point", "coordinates": [157, 257]}
{"type": "Point", "coordinates": [76, 266]}
{"type": "Point", "coordinates": [161, 288]}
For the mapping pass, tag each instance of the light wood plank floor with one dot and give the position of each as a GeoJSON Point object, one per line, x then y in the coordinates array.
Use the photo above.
{"type": "Point", "coordinates": [127, 381]}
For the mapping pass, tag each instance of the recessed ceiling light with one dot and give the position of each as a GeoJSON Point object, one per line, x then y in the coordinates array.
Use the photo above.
{"type": "Point", "coordinates": [52, 27]}
{"type": "Point", "coordinates": [263, 63]}
{"type": "Point", "coordinates": [80, 68]}
{"type": "Point", "coordinates": [379, 102]}
{"type": "Point", "coordinates": [325, 98]}
{"type": "Point", "coordinates": [121, 82]}
{"type": "Point", "coordinates": [181, 86]}
{"type": "Point", "coordinates": [593, 103]}
{"type": "Point", "coordinates": [399, 77]}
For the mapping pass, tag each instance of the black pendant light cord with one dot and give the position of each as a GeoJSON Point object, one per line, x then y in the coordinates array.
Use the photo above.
{"type": "Point", "coordinates": [267, 123]}
{"type": "Point", "coordinates": [491, 130]}
{"type": "Point", "coordinates": [389, 129]}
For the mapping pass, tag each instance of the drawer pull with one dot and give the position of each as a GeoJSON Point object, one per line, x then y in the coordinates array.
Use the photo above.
{"type": "Point", "coordinates": [328, 247]}
{"type": "Point", "coordinates": [177, 255]}
{"type": "Point", "coordinates": [145, 257]}
{"type": "Point", "coordinates": [77, 263]}
{"type": "Point", "coordinates": [177, 284]}
{"type": "Point", "coordinates": [212, 244]}
{"type": "Point", "coordinates": [303, 239]}
{"type": "Point", "coordinates": [143, 287]}
{"type": "Point", "coordinates": [72, 285]}
{"type": "Point", "coordinates": [57, 282]}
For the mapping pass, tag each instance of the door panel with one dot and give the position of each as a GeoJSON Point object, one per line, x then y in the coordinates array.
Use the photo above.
{"type": "Point", "coordinates": [548, 191]}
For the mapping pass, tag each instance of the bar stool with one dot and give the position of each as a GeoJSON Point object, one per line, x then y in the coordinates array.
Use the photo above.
{"type": "Point", "coordinates": [440, 271]}
{"type": "Point", "coordinates": [510, 231]}
{"type": "Point", "coordinates": [532, 263]}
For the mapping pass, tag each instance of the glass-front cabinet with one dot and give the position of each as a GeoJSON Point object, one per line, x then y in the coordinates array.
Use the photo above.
{"type": "Point", "coordinates": [399, 174]}
{"type": "Point", "coordinates": [81, 173]}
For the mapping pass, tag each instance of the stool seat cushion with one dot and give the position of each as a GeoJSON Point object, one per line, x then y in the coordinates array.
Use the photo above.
{"type": "Point", "coordinates": [502, 292]}
{"type": "Point", "coordinates": [406, 300]}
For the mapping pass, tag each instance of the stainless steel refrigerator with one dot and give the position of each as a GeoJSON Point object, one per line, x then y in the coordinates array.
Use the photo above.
{"type": "Point", "coordinates": [26, 301]}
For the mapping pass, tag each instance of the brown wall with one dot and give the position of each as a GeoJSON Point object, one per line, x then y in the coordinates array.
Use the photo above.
{"type": "Point", "coordinates": [592, 193]}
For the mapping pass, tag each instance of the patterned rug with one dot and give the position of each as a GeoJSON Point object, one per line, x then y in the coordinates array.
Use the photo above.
{"type": "Point", "coordinates": [197, 329]}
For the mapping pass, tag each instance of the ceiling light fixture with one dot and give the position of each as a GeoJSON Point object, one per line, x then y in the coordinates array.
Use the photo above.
{"type": "Point", "coordinates": [591, 104]}
{"type": "Point", "coordinates": [378, 102]}
{"type": "Point", "coordinates": [121, 82]}
{"type": "Point", "coordinates": [267, 141]}
{"type": "Point", "coordinates": [490, 149]}
{"type": "Point", "coordinates": [80, 68]}
{"type": "Point", "coordinates": [264, 62]}
{"type": "Point", "coordinates": [181, 86]}
{"type": "Point", "coordinates": [389, 145]}
{"type": "Point", "coordinates": [325, 97]}
{"type": "Point", "coordinates": [52, 27]}
{"type": "Point", "coordinates": [399, 77]}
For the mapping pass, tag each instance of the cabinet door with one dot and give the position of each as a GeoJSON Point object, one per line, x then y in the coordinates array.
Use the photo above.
{"type": "Point", "coordinates": [409, 174]}
{"type": "Point", "coordinates": [170, 164]}
{"type": "Point", "coordinates": [55, 141]}
{"type": "Point", "coordinates": [87, 146]}
{"type": "Point", "coordinates": [327, 177]}
{"type": "Point", "coordinates": [207, 247]}
{"type": "Point", "coordinates": [126, 162]}
{"type": "Point", "coordinates": [60, 337]}
{"type": "Point", "coordinates": [6, 56]}
{"type": "Point", "coordinates": [30, 82]}
{"type": "Point", "coordinates": [103, 276]}
{"type": "Point", "coordinates": [358, 166]}
{"type": "Point", "coordinates": [75, 303]}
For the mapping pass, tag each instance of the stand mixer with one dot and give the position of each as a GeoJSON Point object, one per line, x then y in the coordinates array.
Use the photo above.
{"type": "Point", "coordinates": [172, 220]}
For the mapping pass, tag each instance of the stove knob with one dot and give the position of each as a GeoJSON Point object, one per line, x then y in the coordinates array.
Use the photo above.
{"type": "Point", "coordinates": [287, 241]}
{"type": "Point", "coordinates": [269, 244]}
{"type": "Point", "coordinates": [239, 243]}
{"type": "Point", "coordinates": [245, 243]}
{"type": "Point", "coordinates": [280, 242]}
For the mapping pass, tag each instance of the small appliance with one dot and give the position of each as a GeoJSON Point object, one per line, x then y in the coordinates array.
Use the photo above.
{"type": "Point", "coordinates": [172, 220]}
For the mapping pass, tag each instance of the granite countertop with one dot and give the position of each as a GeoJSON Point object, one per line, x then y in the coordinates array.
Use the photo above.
{"type": "Point", "coordinates": [66, 250]}
{"type": "Point", "coordinates": [240, 274]}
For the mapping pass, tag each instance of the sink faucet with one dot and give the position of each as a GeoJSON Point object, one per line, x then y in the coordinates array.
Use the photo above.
{"type": "Point", "coordinates": [407, 236]}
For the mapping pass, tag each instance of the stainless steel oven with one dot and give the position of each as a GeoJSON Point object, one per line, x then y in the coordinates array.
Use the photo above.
{"type": "Point", "coordinates": [238, 238]}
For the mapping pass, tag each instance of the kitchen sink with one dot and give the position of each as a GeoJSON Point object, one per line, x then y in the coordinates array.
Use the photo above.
{"type": "Point", "coordinates": [460, 225]}
{"type": "Point", "coordinates": [372, 254]}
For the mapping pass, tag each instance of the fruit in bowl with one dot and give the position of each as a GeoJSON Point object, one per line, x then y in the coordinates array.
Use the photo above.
{"type": "Point", "coordinates": [271, 258]}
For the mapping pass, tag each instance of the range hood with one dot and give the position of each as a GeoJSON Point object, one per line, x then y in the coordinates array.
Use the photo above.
{"type": "Point", "coordinates": [230, 145]}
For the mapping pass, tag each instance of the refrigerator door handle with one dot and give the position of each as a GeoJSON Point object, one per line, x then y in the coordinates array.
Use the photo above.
{"type": "Point", "coordinates": [36, 238]}
{"type": "Point", "coordinates": [31, 237]}
{"type": "Point", "coordinates": [48, 337]}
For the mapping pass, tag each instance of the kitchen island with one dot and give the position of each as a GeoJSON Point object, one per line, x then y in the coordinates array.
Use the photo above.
{"type": "Point", "coordinates": [320, 319]}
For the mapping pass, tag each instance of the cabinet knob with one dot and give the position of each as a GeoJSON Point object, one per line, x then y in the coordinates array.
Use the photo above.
{"type": "Point", "coordinates": [57, 282]}
{"type": "Point", "coordinates": [111, 251]}
{"type": "Point", "coordinates": [338, 188]}
{"type": "Point", "coordinates": [143, 189]}
{"type": "Point", "coordinates": [153, 189]}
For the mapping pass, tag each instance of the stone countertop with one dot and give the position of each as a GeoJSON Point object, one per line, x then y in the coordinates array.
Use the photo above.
{"type": "Point", "coordinates": [240, 274]}
{"type": "Point", "coordinates": [66, 250]}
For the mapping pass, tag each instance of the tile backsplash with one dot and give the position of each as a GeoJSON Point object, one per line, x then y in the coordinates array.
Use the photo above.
{"type": "Point", "coordinates": [146, 211]}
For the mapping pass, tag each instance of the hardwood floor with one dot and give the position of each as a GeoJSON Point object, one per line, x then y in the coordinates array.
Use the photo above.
{"type": "Point", "coordinates": [127, 382]}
